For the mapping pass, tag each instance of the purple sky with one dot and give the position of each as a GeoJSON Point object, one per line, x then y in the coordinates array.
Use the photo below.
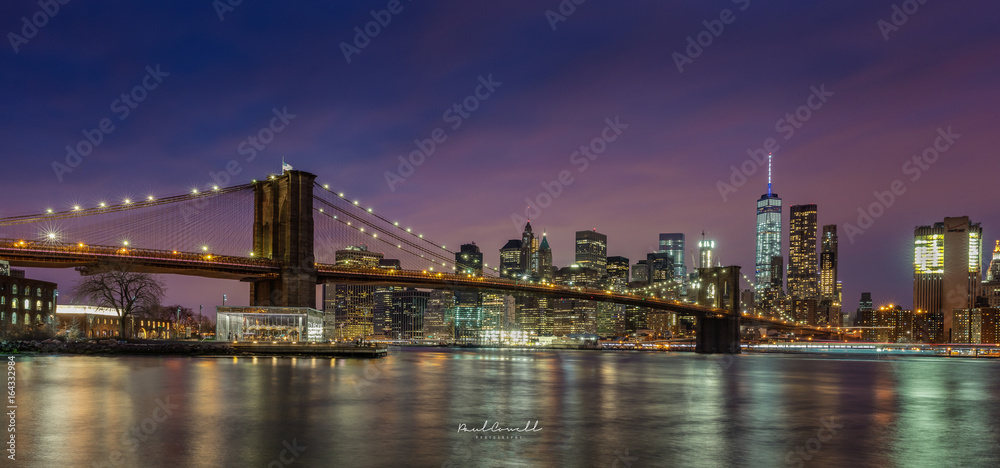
{"type": "Point", "coordinates": [557, 87]}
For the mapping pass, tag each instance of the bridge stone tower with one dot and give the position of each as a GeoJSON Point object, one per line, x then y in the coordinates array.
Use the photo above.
{"type": "Point", "coordinates": [720, 288]}
{"type": "Point", "coordinates": [283, 231]}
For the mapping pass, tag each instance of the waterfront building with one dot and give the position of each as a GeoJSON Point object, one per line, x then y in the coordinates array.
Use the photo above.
{"type": "Point", "coordinates": [440, 306]}
{"type": "Point", "coordinates": [349, 309]}
{"type": "Point", "coordinates": [406, 315]}
{"type": "Point", "coordinates": [24, 302]}
{"type": "Point", "coordinates": [571, 316]}
{"type": "Point", "coordinates": [255, 323]}
{"type": "Point", "coordinates": [887, 324]}
{"type": "Point", "coordinates": [103, 322]}
{"type": "Point", "coordinates": [947, 273]}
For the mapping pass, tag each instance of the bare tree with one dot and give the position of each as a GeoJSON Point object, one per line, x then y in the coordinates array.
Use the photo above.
{"type": "Point", "coordinates": [120, 285]}
{"type": "Point", "coordinates": [71, 328]}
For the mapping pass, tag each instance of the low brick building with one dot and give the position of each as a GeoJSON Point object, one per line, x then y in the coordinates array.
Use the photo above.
{"type": "Point", "coordinates": [24, 302]}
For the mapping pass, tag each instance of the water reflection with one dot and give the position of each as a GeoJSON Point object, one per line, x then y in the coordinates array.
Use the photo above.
{"type": "Point", "coordinates": [594, 408]}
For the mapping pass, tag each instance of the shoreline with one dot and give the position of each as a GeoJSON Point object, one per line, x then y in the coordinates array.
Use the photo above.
{"type": "Point", "coordinates": [112, 347]}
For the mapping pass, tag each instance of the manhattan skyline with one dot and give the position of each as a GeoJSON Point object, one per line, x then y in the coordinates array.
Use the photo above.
{"type": "Point", "coordinates": [220, 81]}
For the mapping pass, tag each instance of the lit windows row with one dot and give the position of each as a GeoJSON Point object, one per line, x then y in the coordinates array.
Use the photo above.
{"type": "Point", "coordinates": [15, 303]}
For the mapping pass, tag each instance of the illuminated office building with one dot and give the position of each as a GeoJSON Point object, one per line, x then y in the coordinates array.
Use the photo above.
{"type": "Point", "coordinates": [358, 256]}
{"type": "Point", "coordinates": [439, 315]}
{"type": "Point", "coordinates": [991, 287]}
{"type": "Point", "coordinates": [946, 273]}
{"type": "Point", "coordinates": [592, 250]}
{"type": "Point", "coordinates": [802, 275]}
{"type": "Point", "coordinates": [673, 245]}
{"type": "Point", "coordinates": [768, 233]}
{"type": "Point", "coordinates": [829, 311]}
{"type": "Point", "coordinates": [406, 318]}
{"type": "Point", "coordinates": [541, 262]}
{"type": "Point", "coordinates": [510, 259]}
{"type": "Point", "coordinates": [529, 244]}
{"type": "Point", "coordinates": [993, 273]}
{"type": "Point", "coordinates": [349, 309]}
{"type": "Point", "coordinates": [828, 282]}
{"type": "Point", "coordinates": [640, 272]}
{"type": "Point", "coordinates": [469, 260]}
{"type": "Point", "coordinates": [617, 271]}
{"type": "Point", "coordinates": [661, 267]}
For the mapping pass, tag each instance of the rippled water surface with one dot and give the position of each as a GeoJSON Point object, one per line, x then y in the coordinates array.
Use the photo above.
{"type": "Point", "coordinates": [588, 408]}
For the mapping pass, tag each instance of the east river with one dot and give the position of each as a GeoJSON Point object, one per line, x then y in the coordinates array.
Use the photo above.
{"type": "Point", "coordinates": [427, 407]}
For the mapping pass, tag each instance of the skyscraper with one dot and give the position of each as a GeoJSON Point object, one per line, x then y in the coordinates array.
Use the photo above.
{"type": "Point", "coordinates": [866, 302]}
{"type": "Point", "coordinates": [542, 261]}
{"type": "Point", "coordinates": [993, 274]}
{"type": "Point", "coordinates": [673, 244]}
{"type": "Point", "coordinates": [592, 250]}
{"type": "Point", "coordinates": [617, 280]}
{"type": "Point", "coordinates": [407, 317]}
{"type": "Point", "coordinates": [617, 273]}
{"type": "Point", "coordinates": [991, 287]}
{"type": "Point", "coordinates": [510, 259]}
{"type": "Point", "coordinates": [802, 277]}
{"type": "Point", "coordinates": [640, 272]}
{"type": "Point", "coordinates": [439, 315]}
{"type": "Point", "coordinates": [529, 243]}
{"type": "Point", "coordinates": [468, 304]}
{"type": "Point", "coordinates": [661, 267]}
{"type": "Point", "coordinates": [768, 233]}
{"type": "Point", "coordinates": [828, 288]}
{"type": "Point", "coordinates": [469, 260]}
{"type": "Point", "coordinates": [769, 299]}
{"type": "Point", "coordinates": [349, 309]}
{"type": "Point", "coordinates": [946, 272]}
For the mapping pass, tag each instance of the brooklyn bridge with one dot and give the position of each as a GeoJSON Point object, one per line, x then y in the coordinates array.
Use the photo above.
{"type": "Point", "coordinates": [280, 235]}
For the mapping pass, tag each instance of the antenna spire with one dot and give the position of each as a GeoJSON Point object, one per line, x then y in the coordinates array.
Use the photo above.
{"type": "Point", "coordinates": [769, 174]}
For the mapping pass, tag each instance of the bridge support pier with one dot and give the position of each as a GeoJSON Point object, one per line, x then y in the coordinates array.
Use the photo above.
{"type": "Point", "coordinates": [283, 231]}
{"type": "Point", "coordinates": [720, 288]}
{"type": "Point", "coordinates": [718, 335]}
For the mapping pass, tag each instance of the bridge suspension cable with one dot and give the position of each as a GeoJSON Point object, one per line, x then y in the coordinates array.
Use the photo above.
{"type": "Point", "coordinates": [372, 225]}
{"type": "Point", "coordinates": [199, 221]}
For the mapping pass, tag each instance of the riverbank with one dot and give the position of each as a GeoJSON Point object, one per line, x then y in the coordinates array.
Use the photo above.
{"type": "Point", "coordinates": [111, 347]}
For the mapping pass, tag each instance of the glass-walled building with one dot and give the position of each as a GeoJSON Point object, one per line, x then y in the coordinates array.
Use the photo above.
{"type": "Point", "coordinates": [268, 324]}
{"type": "Point", "coordinates": [768, 237]}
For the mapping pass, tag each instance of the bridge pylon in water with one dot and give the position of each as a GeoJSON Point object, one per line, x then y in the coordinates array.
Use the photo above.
{"type": "Point", "coordinates": [720, 288]}
{"type": "Point", "coordinates": [283, 231]}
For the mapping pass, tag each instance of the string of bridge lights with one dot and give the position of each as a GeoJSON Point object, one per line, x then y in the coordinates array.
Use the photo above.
{"type": "Point", "coordinates": [395, 224]}
{"type": "Point", "coordinates": [53, 235]}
